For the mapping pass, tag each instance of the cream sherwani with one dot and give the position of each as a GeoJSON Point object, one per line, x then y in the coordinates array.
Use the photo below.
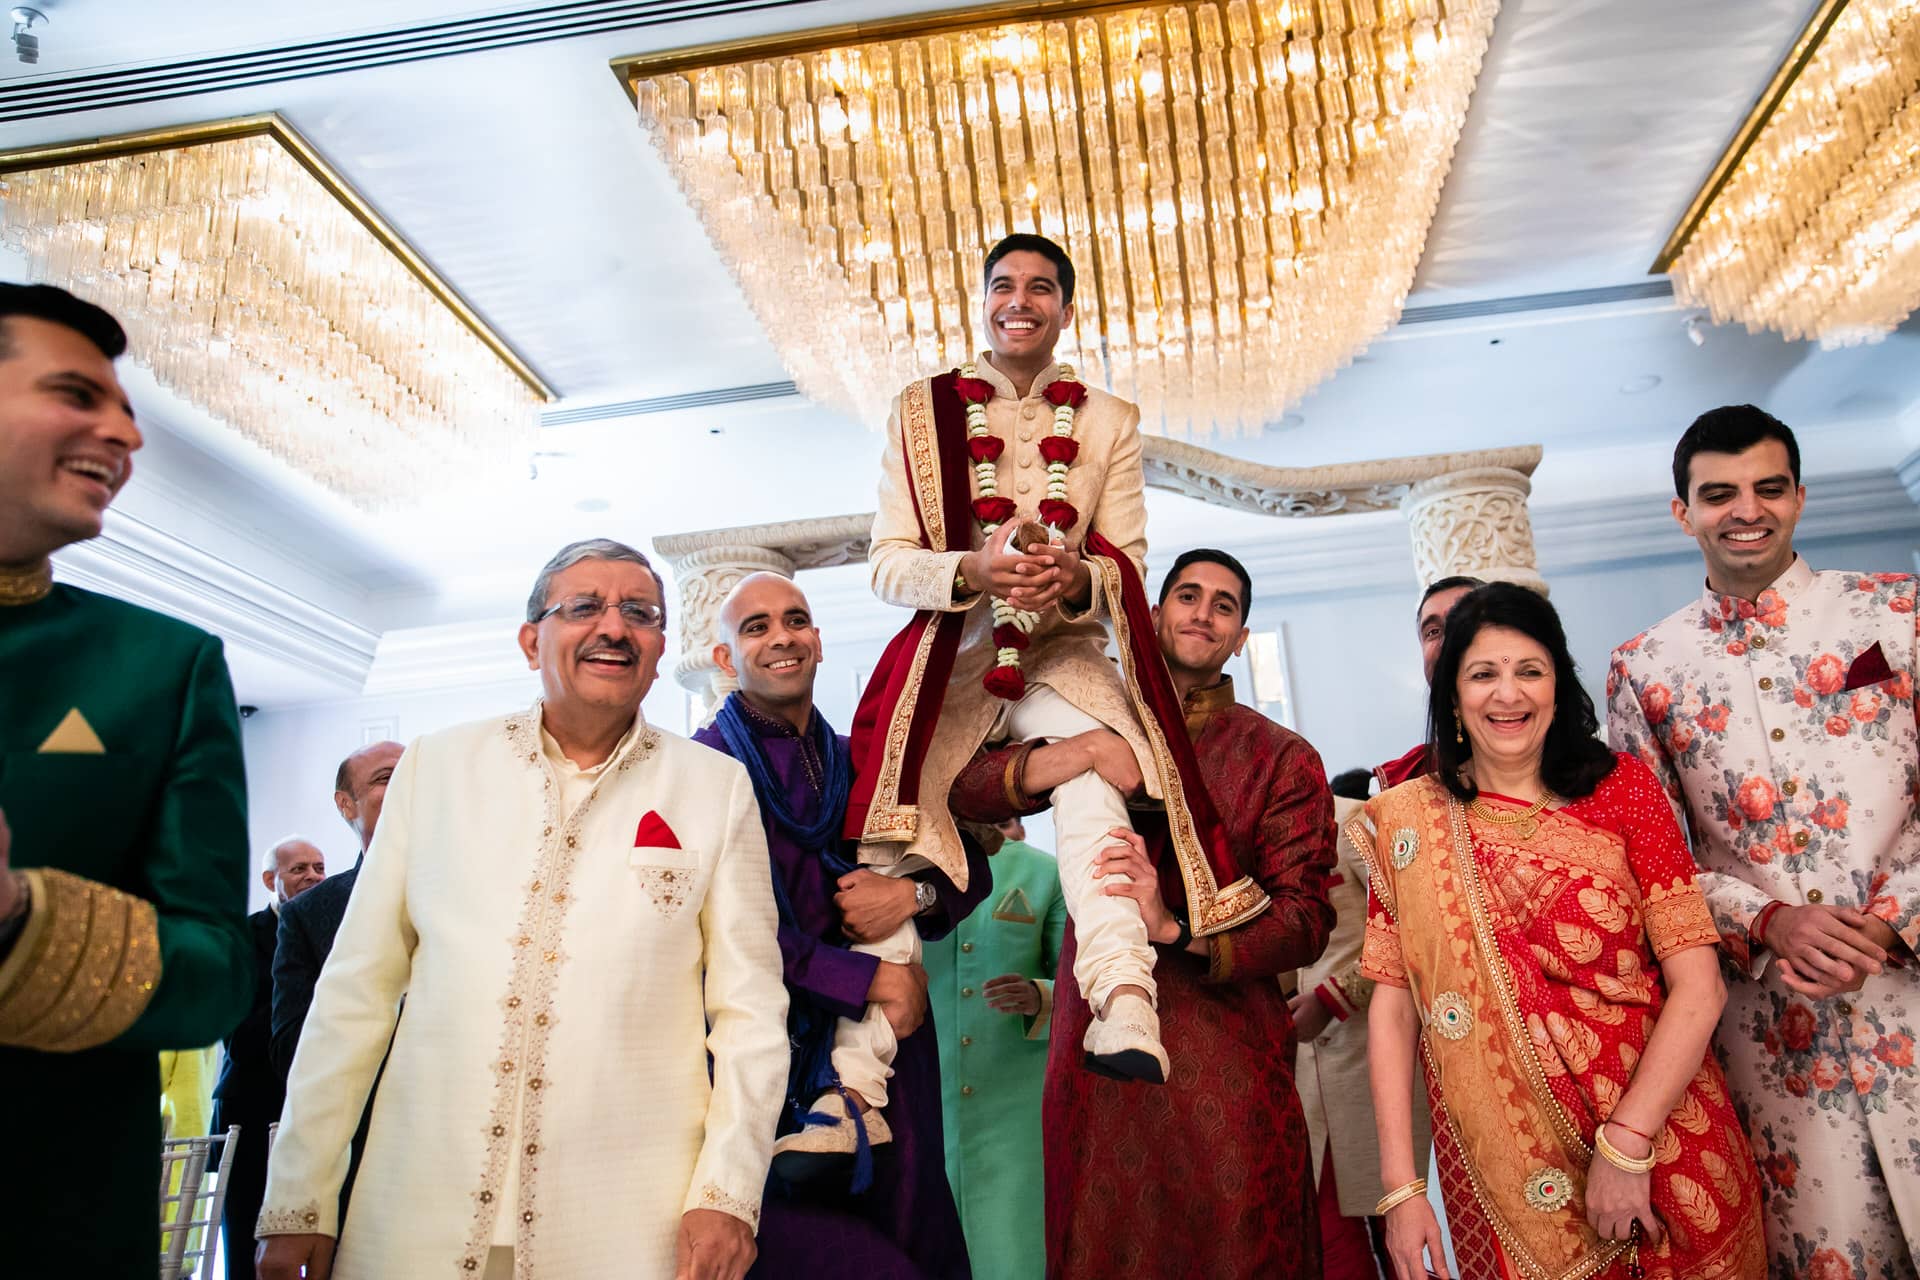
{"type": "Point", "coordinates": [1072, 684]}
{"type": "Point", "coordinates": [1331, 1072]}
{"type": "Point", "coordinates": [566, 978]}
{"type": "Point", "coordinates": [1068, 650]}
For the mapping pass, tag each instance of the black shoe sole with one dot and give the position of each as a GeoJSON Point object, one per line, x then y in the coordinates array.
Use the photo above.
{"type": "Point", "coordinates": [1128, 1064]}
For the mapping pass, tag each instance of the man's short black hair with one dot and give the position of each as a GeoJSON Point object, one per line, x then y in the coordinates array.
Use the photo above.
{"type": "Point", "coordinates": [1453, 583]}
{"type": "Point", "coordinates": [1208, 555]}
{"type": "Point", "coordinates": [1353, 784]}
{"type": "Point", "coordinates": [1025, 242]}
{"type": "Point", "coordinates": [57, 306]}
{"type": "Point", "coordinates": [1732, 428]}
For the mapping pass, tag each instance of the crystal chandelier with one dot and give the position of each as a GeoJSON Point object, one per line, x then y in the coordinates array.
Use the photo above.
{"type": "Point", "coordinates": [1244, 187]}
{"type": "Point", "coordinates": [1810, 223]}
{"type": "Point", "coordinates": [257, 285]}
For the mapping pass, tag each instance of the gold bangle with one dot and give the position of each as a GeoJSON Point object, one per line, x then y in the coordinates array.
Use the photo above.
{"type": "Point", "coordinates": [1620, 1159]}
{"type": "Point", "coordinates": [1400, 1195]}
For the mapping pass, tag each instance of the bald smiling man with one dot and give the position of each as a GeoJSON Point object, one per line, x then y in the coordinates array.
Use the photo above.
{"type": "Point", "coordinates": [906, 1226]}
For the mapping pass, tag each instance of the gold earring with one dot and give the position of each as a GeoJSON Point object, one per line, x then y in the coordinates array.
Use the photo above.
{"type": "Point", "coordinates": [1459, 730]}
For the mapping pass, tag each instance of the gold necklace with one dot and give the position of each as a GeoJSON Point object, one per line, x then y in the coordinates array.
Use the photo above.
{"type": "Point", "coordinates": [26, 586]}
{"type": "Point", "coordinates": [1524, 823]}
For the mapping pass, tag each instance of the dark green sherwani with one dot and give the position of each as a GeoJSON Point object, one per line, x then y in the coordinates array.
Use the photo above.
{"type": "Point", "coordinates": [122, 779]}
{"type": "Point", "coordinates": [992, 1064]}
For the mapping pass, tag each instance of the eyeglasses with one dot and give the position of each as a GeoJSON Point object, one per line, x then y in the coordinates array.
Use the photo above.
{"type": "Point", "coordinates": [641, 615]}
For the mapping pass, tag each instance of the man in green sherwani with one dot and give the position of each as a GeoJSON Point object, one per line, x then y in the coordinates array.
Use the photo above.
{"type": "Point", "coordinates": [123, 837]}
{"type": "Point", "coordinates": [990, 985]}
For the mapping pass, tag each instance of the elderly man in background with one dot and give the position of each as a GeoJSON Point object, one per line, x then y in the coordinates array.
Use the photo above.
{"type": "Point", "coordinates": [578, 909]}
{"type": "Point", "coordinates": [309, 923]}
{"type": "Point", "coordinates": [307, 927]}
{"type": "Point", "coordinates": [250, 1088]}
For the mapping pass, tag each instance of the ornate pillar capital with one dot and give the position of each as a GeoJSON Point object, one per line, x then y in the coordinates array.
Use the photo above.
{"type": "Point", "coordinates": [1473, 521]}
{"type": "Point", "coordinates": [709, 564]}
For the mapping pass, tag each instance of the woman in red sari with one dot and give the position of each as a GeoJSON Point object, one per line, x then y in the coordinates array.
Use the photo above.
{"type": "Point", "coordinates": [1536, 932]}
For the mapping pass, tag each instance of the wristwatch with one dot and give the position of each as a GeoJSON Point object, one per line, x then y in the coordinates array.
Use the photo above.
{"type": "Point", "coordinates": [1185, 938]}
{"type": "Point", "coordinates": [924, 898]}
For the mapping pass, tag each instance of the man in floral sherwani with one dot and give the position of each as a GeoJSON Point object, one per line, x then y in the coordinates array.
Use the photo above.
{"type": "Point", "coordinates": [1778, 709]}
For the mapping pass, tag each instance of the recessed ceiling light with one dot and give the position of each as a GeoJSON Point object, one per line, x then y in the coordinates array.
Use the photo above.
{"type": "Point", "coordinates": [1634, 386]}
{"type": "Point", "coordinates": [592, 505]}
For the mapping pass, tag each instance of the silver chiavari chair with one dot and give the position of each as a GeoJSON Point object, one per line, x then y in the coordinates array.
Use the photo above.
{"type": "Point", "coordinates": [190, 1213]}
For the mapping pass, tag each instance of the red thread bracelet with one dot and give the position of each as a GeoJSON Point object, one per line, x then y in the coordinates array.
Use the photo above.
{"type": "Point", "coordinates": [1757, 931]}
{"type": "Point", "coordinates": [1621, 1124]}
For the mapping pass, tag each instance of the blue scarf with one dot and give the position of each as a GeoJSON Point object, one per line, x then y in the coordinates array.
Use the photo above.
{"type": "Point", "coordinates": [809, 1027]}
{"type": "Point", "coordinates": [822, 835]}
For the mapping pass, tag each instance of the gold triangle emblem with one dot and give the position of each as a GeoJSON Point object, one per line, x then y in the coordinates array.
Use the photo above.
{"type": "Point", "coordinates": [74, 737]}
{"type": "Point", "coordinates": [1015, 907]}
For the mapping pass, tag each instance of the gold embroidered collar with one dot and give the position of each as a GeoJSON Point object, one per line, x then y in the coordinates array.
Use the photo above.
{"type": "Point", "coordinates": [26, 586]}
{"type": "Point", "coordinates": [1003, 385]}
{"type": "Point", "coordinates": [1200, 704]}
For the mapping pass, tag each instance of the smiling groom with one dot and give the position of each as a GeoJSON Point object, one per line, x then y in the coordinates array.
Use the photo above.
{"type": "Point", "coordinates": [1012, 520]}
{"type": "Point", "coordinates": [579, 912]}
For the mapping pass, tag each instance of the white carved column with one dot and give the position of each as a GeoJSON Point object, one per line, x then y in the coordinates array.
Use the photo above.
{"type": "Point", "coordinates": [705, 578]}
{"type": "Point", "coordinates": [1473, 522]}
{"type": "Point", "coordinates": [708, 565]}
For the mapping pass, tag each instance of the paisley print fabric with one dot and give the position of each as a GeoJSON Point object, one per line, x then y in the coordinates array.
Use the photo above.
{"type": "Point", "coordinates": [1578, 917]}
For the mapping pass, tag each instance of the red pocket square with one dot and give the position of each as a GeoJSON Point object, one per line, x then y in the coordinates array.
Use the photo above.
{"type": "Point", "coordinates": [654, 833]}
{"type": "Point", "coordinates": [1869, 667]}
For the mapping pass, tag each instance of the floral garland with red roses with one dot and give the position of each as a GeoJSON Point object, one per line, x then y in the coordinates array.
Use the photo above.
{"type": "Point", "coordinates": [1066, 393]}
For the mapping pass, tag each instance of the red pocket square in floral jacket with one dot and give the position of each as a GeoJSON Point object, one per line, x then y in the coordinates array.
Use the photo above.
{"type": "Point", "coordinates": [654, 833]}
{"type": "Point", "coordinates": [1870, 667]}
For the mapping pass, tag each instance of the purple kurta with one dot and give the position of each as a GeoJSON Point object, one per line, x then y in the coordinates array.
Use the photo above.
{"type": "Point", "coordinates": [906, 1225]}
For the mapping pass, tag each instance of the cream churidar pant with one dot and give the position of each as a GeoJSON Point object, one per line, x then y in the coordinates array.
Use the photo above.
{"type": "Point", "coordinates": [1112, 950]}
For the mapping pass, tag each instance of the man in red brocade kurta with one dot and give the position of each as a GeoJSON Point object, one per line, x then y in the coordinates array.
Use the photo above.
{"type": "Point", "coordinates": [1208, 1177]}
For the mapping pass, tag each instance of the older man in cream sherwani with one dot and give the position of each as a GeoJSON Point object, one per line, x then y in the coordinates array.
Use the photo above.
{"type": "Point", "coordinates": [579, 912]}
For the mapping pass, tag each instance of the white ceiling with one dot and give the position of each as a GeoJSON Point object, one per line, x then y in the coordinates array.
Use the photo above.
{"type": "Point", "coordinates": [521, 175]}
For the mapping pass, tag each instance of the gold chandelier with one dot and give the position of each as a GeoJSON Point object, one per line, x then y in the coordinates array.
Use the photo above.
{"type": "Point", "coordinates": [1810, 223]}
{"type": "Point", "coordinates": [257, 285]}
{"type": "Point", "coordinates": [1244, 186]}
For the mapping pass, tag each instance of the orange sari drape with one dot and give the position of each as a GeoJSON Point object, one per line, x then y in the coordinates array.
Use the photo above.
{"type": "Point", "coordinates": [1533, 961]}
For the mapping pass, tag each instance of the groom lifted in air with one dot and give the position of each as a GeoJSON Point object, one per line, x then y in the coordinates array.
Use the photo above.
{"type": "Point", "coordinates": [1012, 521]}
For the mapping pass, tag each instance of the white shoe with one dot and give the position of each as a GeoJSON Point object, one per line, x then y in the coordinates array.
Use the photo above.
{"type": "Point", "coordinates": [818, 1149]}
{"type": "Point", "coordinates": [1125, 1044]}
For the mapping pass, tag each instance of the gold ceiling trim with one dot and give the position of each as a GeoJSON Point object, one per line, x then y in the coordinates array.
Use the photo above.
{"type": "Point", "coordinates": [276, 127]}
{"type": "Point", "coordinates": [1757, 120]}
{"type": "Point", "coordinates": [632, 68]}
